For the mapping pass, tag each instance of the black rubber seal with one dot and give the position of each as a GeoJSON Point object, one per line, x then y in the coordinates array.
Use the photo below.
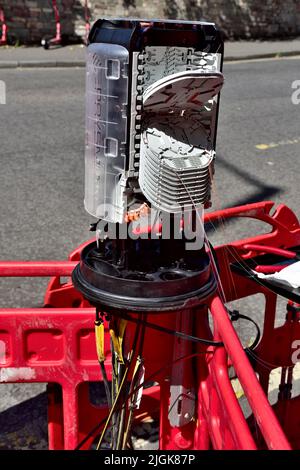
{"type": "Point", "coordinates": [105, 290]}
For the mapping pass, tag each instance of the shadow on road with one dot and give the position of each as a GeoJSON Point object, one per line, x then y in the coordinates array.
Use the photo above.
{"type": "Point", "coordinates": [261, 192]}
{"type": "Point", "coordinates": [24, 426]}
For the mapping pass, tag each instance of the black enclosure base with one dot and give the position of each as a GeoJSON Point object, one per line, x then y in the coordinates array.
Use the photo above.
{"type": "Point", "coordinates": [152, 276]}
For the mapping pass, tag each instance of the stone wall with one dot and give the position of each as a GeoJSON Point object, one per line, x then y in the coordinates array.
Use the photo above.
{"type": "Point", "coordinates": [30, 20]}
{"type": "Point", "coordinates": [237, 18]}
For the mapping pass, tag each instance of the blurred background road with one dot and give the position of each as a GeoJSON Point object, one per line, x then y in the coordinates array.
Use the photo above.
{"type": "Point", "coordinates": [42, 176]}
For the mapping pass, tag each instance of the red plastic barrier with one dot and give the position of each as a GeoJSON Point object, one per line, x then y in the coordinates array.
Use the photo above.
{"type": "Point", "coordinates": [56, 345]}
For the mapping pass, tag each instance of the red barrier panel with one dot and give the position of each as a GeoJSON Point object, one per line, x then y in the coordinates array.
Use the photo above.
{"type": "Point", "coordinates": [56, 345]}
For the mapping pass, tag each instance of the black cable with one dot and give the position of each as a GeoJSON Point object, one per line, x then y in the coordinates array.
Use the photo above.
{"type": "Point", "coordinates": [126, 433]}
{"type": "Point", "coordinates": [106, 384]}
{"type": "Point", "coordinates": [133, 347]}
{"type": "Point", "coordinates": [149, 379]}
{"type": "Point", "coordinates": [236, 315]}
{"type": "Point", "coordinates": [178, 334]}
{"type": "Point", "coordinates": [113, 392]}
{"type": "Point", "coordinates": [214, 253]}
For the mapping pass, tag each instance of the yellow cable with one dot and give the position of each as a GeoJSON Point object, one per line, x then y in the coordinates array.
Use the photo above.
{"type": "Point", "coordinates": [99, 334]}
{"type": "Point", "coordinates": [129, 421]}
{"type": "Point", "coordinates": [112, 410]}
{"type": "Point", "coordinates": [122, 328]}
{"type": "Point", "coordinates": [116, 344]}
{"type": "Point", "coordinates": [117, 338]}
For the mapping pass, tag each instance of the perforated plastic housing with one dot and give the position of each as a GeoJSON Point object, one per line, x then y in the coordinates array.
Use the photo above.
{"type": "Point", "coordinates": [152, 98]}
{"type": "Point", "coordinates": [176, 146]}
{"type": "Point", "coordinates": [106, 127]}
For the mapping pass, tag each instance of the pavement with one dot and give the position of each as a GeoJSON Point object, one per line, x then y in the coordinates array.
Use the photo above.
{"type": "Point", "coordinates": [42, 180]}
{"type": "Point", "coordinates": [248, 50]}
{"type": "Point", "coordinates": [67, 56]}
{"type": "Point", "coordinates": [74, 55]}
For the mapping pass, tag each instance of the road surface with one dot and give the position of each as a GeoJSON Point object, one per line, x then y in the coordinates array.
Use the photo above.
{"type": "Point", "coordinates": [42, 176]}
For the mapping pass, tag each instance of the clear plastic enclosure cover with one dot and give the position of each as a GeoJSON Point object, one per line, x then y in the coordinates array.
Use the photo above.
{"type": "Point", "coordinates": [106, 130]}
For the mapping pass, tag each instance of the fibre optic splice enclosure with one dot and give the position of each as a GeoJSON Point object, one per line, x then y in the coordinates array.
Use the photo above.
{"type": "Point", "coordinates": [124, 58]}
